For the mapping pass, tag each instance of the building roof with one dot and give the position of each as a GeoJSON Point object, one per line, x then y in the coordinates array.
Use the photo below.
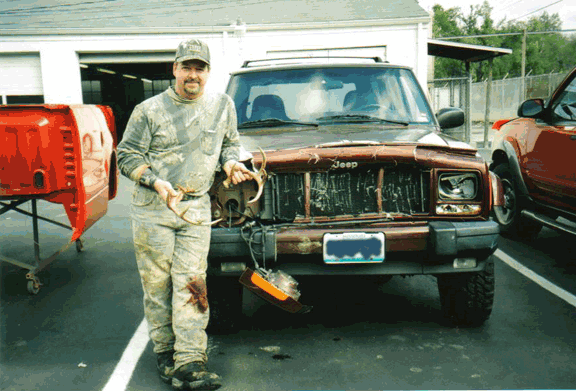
{"type": "Point", "coordinates": [150, 15]}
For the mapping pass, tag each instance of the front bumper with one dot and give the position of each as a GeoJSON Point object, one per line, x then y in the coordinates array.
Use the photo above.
{"type": "Point", "coordinates": [417, 248]}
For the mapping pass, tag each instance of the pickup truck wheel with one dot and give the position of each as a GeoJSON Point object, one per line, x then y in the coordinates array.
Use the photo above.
{"type": "Point", "coordinates": [466, 298]}
{"type": "Point", "coordinates": [508, 217]}
{"type": "Point", "coordinates": [225, 301]}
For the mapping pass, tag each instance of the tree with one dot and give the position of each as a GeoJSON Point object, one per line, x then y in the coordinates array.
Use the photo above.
{"type": "Point", "coordinates": [445, 24]}
{"type": "Point", "coordinates": [545, 53]}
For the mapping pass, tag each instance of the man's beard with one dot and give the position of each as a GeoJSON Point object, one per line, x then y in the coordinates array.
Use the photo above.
{"type": "Point", "coordinates": [192, 89]}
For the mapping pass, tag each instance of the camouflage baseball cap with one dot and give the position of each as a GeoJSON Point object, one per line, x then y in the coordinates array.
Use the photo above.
{"type": "Point", "coordinates": [193, 49]}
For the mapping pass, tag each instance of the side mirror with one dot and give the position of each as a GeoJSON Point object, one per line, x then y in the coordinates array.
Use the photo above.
{"type": "Point", "coordinates": [450, 117]}
{"type": "Point", "coordinates": [532, 108]}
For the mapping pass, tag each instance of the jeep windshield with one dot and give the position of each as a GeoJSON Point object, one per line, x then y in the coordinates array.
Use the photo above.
{"type": "Point", "coordinates": [327, 96]}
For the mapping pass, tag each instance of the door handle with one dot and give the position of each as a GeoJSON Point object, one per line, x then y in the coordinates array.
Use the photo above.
{"type": "Point", "coordinates": [573, 137]}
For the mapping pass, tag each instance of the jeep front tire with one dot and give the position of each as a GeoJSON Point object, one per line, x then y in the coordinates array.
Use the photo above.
{"type": "Point", "coordinates": [466, 298]}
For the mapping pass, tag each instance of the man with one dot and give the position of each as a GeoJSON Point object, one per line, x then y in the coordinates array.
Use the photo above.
{"type": "Point", "coordinates": [177, 138]}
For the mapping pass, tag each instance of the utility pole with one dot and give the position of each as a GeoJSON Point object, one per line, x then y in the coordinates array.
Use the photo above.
{"type": "Point", "coordinates": [523, 90]}
{"type": "Point", "coordinates": [468, 127]}
{"type": "Point", "coordinates": [488, 104]}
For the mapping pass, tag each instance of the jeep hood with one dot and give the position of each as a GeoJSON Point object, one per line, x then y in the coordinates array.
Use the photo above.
{"type": "Point", "coordinates": [296, 137]}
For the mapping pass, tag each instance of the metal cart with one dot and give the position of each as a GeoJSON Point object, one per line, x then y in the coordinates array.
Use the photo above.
{"type": "Point", "coordinates": [40, 263]}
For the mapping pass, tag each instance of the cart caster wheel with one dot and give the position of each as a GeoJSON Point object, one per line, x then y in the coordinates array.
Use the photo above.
{"type": "Point", "coordinates": [79, 246]}
{"type": "Point", "coordinates": [33, 287]}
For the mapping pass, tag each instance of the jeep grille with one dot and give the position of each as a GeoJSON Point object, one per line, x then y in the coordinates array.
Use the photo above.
{"type": "Point", "coordinates": [352, 192]}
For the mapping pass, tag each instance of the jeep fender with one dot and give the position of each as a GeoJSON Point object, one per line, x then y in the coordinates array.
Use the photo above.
{"type": "Point", "coordinates": [505, 148]}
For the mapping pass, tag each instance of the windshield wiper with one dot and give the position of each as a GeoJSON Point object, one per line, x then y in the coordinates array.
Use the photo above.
{"type": "Point", "coordinates": [360, 118]}
{"type": "Point", "coordinates": [273, 122]}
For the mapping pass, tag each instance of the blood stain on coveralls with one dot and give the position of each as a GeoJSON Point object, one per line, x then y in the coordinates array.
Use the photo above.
{"type": "Point", "coordinates": [197, 288]}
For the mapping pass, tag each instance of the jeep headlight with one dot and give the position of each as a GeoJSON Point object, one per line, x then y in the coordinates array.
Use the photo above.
{"type": "Point", "coordinates": [458, 186]}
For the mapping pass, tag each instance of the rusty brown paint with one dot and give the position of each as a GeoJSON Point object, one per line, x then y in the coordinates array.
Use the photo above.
{"type": "Point", "coordinates": [360, 218]}
{"type": "Point", "coordinates": [379, 189]}
{"type": "Point", "coordinates": [398, 238]}
{"type": "Point", "coordinates": [313, 158]}
{"type": "Point", "coordinates": [307, 194]}
{"type": "Point", "coordinates": [323, 158]}
{"type": "Point", "coordinates": [383, 220]}
{"type": "Point", "coordinates": [307, 246]}
{"type": "Point", "coordinates": [197, 288]}
{"type": "Point", "coordinates": [299, 245]}
{"type": "Point", "coordinates": [430, 157]}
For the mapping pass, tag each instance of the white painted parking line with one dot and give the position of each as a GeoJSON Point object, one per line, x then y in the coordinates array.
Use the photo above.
{"type": "Point", "coordinates": [544, 283]}
{"type": "Point", "coordinates": [125, 367]}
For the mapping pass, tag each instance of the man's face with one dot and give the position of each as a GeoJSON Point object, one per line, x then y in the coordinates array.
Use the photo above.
{"type": "Point", "coordinates": [191, 77]}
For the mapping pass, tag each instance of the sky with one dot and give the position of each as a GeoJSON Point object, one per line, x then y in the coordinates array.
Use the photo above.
{"type": "Point", "coordinates": [511, 9]}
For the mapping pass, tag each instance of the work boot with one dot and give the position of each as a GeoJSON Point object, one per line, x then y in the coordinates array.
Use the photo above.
{"type": "Point", "coordinates": [194, 376]}
{"type": "Point", "coordinates": [165, 365]}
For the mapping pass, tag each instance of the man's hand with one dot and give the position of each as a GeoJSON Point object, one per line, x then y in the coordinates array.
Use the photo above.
{"type": "Point", "coordinates": [163, 188]}
{"type": "Point", "coordinates": [236, 171]}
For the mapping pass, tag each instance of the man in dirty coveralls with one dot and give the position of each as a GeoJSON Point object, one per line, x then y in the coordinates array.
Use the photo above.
{"type": "Point", "coordinates": [178, 138]}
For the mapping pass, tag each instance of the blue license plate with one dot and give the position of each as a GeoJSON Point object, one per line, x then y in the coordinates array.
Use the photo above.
{"type": "Point", "coordinates": [354, 247]}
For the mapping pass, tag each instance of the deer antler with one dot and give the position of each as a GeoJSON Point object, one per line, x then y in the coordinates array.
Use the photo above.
{"type": "Point", "coordinates": [171, 202]}
{"type": "Point", "coordinates": [259, 177]}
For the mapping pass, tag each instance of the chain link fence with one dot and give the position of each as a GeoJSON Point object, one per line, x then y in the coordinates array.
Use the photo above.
{"type": "Point", "coordinates": [505, 97]}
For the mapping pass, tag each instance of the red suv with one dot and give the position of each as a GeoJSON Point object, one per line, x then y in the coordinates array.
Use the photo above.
{"type": "Point", "coordinates": [535, 156]}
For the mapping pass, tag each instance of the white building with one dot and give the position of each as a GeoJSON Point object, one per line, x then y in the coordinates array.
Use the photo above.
{"type": "Point", "coordinates": [121, 52]}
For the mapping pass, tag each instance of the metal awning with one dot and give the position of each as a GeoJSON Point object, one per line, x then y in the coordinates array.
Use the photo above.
{"type": "Point", "coordinates": [468, 54]}
{"type": "Point", "coordinates": [463, 51]}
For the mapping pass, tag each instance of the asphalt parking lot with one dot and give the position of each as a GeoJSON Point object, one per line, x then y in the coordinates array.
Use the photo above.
{"type": "Point", "coordinates": [84, 330]}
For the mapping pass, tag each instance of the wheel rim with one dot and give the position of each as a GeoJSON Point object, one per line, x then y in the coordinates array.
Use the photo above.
{"type": "Point", "coordinates": [506, 216]}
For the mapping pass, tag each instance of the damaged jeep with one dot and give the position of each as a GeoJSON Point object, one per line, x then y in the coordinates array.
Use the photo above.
{"type": "Point", "coordinates": [354, 177]}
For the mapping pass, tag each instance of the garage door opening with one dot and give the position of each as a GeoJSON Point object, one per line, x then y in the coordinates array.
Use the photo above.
{"type": "Point", "coordinates": [122, 83]}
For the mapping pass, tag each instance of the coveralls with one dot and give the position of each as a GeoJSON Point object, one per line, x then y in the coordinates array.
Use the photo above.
{"type": "Point", "coordinates": [180, 141]}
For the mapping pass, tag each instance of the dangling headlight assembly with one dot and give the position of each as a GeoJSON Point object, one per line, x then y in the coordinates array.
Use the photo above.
{"type": "Point", "coordinates": [458, 194]}
{"type": "Point", "coordinates": [458, 186]}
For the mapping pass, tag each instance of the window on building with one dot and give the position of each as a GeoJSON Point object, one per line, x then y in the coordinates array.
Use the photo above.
{"type": "Point", "coordinates": [91, 92]}
{"type": "Point", "coordinates": [156, 86]}
{"type": "Point", "coordinates": [24, 99]}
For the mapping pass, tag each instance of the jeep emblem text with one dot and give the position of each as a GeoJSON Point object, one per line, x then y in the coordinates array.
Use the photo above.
{"type": "Point", "coordinates": [338, 164]}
